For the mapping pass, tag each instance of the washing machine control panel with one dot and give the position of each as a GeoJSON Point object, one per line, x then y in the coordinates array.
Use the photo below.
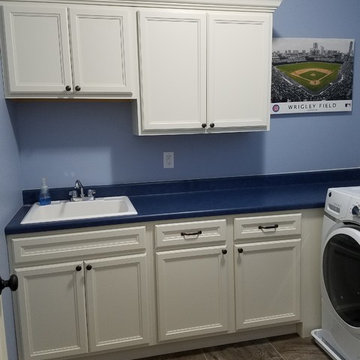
{"type": "Point", "coordinates": [343, 203]}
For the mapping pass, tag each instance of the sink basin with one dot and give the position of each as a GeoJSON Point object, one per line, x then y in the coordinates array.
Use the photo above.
{"type": "Point", "coordinates": [89, 209]}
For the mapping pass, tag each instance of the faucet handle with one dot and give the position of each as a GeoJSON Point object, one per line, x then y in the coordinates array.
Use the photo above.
{"type": "Point", "coordinates": [73, 194]}
{"type": "Point", "coordinates": [91, 193]}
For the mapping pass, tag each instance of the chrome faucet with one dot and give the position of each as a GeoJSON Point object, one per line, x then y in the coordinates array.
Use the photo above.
{"type": "Point", "coordinates": [79, 186]}
{"type": "Point", "coordinates": [77, 194]}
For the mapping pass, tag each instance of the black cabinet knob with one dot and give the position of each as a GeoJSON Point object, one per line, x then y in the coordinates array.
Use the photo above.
{"type": "Point", "coordinates": [212, 125]}
{"type": "Point", "coordinates": [88, 267]}
{"type": "Point", "coordinates": [78, 268]}
{"type": "Point", "coordinates": [224, 251]}
{"type": "Point", "coordinates": [77, 88]}
{"type": "Point", "coordinates": [203, 125]}
{"type": "Point", "coordinates": [12, 283]}
{"type": "Point", "coordinates": [240, 250]}
{"type": "Point", "coordinates": [68, 88]}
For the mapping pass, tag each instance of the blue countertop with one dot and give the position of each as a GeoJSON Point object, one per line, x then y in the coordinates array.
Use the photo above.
{"type": "Point", "coordinates": [197, 198]}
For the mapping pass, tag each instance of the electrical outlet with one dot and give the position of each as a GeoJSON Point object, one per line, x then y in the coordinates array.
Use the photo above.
{"type": "Point", "coordinates": [168, 160]}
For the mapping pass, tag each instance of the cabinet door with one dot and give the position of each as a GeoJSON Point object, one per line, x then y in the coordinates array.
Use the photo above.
{"type": "Point", "coordinates": [37, 49]}
{"type": "Point", "coordinates": [239, 73]}
{"type": "Point", "coordinates": [172, 53]}
{"type": "Point", "coordinates": [192, 292]}
{"type": "Point", "coordinates": [100, 38]}
{"type": "Point", "coordinates": [267, 283]}
{"type": "Point", "coordinates": [51, 311]}
{"type": "Point", "coordinates": [117, 302]}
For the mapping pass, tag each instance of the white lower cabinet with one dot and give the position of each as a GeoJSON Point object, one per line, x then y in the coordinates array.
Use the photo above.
{"type": "Point", "coordinates": [100, 302]}
{"type": "Point", "coordinates": [192, 292]}
{"type": "Point", "coordinates": [117, 302]}
{"type": "Point", "coordinates": [86, 305]}
{"type": "Point", "coordinates": [126, 287]}
{"type": "Point", "coordinates": [51, 311]}
{"type": "Point", "coordinates": [267, 283]}
{"type": "Point", "coordinates": [267, 270]}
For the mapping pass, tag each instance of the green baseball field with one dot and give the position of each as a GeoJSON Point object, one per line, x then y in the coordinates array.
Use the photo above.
{"type": "Point", "coordinates": [315, 76]}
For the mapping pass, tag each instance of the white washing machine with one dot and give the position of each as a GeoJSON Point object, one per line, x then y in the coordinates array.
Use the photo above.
{"type": "Point", "coordinates": [340, 275]}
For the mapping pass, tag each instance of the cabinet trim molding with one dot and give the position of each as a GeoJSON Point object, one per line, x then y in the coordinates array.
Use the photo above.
{"type": "Point", "coordinates": [241, 5]}
{"type": "Point", "coordinates": [59, 246]}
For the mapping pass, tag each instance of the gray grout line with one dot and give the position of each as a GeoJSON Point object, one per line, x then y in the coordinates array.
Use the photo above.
{"type": "Point", "coordinates": [276, 349]}
{"type": "Point", "coordinates": [204, 354]}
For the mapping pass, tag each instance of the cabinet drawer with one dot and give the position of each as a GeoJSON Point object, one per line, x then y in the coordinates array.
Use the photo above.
{"type": "Point", "coordinates": [65, 245]}
{"type": "Point", "coordinates": [263, 227]}
{"type": "Point", "coordinates": [188, 233]}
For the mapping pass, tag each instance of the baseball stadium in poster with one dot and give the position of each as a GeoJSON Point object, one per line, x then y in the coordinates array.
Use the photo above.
{"type": "Point", "coordinates": [312, 75]}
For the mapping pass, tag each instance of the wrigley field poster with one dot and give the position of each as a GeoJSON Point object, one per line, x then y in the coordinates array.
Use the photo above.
{"type": "Point", "coordinates": [312, 75]}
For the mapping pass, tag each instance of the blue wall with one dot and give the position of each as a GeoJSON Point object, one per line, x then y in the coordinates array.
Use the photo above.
{"type": "Point", "coordinates": [10, 202]}
{"type": "Point", "coordinates": [94, 141]}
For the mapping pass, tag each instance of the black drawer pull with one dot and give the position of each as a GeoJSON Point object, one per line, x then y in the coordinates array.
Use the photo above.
{"type": "Point", "coordinates": [197, 233]}
{"type": "Point", "coordinates": [240, 250]}
{"type": "Point", "coordinates": [268, 227]}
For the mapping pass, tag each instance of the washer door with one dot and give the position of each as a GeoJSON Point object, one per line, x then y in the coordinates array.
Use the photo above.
{"type": "Point", "coordinates": [341, 273]}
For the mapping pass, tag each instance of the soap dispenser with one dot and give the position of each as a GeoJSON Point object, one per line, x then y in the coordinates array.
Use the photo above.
{"type": "Point", "coordinates": [44, 197]}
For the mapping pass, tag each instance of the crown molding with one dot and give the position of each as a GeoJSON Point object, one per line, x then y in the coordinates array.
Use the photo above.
{"type": "Point", "coordinates": [236, 5]}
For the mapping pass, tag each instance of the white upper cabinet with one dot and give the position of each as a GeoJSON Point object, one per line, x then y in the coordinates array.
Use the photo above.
{"type": "Point", "coordinates": [37, 43]}
{"type": "Point", "coordinates": [100, 39]}
{"type": "Point", "coordinates": [192, 67]}
{"type": "Point", "coordinates": [239, 69]}
{"type": "Point", "coordinates": [204, 71]}
{"type": "Point", "coordinates": [172, 58]}
{"type": "Point", "coordinates": [37, 49]}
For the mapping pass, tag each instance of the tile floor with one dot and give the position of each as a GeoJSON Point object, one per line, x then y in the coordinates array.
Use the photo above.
{"type": "Point", "coordinates": [288, 347]}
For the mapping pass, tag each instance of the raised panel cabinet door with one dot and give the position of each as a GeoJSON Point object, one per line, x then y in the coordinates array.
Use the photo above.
{"type": "Point", "coordinates": [36, 49]}
{"type": "Point", "coordinates": [239, 70]}
{"type": "Point", "coordinates": [100, 42]}
{"type": "Point", "coordinates": [172, 57]}
{"type": "Point", "coordinates": [51, 318]}
{"type": "Point", "coordinates": [192, 292]}
{"type": "Point", "coordinates": [267, 283]}
{"type": "Point", "coordinates": [117, 302]}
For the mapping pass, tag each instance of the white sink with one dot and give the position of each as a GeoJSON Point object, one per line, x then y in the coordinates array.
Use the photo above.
{"type": "Point", "coordinates": [89, 209]}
